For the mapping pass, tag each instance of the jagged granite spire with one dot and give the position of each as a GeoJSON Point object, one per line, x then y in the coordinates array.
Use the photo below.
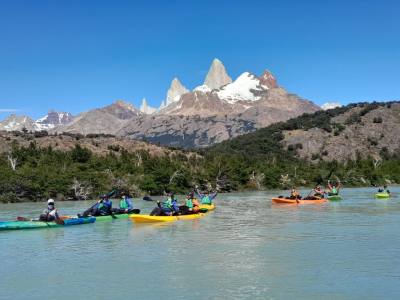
{"type": "Point", "coordinates": [217, 75]}
{"type": "Point", "coordinates": [268, 80]}
{"type": "Point", "coordinates": [175, 91]}
{"type": "Point", "coordinates": [145, 108]}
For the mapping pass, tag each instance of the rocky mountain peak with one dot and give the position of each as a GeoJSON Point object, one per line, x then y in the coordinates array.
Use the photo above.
{"type": "Point", "coordinates": [217, 75]}
{"type": "Point", "coordinates": [147, 109]}
{"type": "Point", "coordinates": [176, 90]}
{"type": "Point", "coordinates": [268, 80]}
{"type": "Point", "coordinates": [122, 110]}
{"type": "Point", "coordinates": [53, 119]}
{"type": "Point", "coordinates": [17, 123]}
{"type": "Point", "coordinates": [123, 104]}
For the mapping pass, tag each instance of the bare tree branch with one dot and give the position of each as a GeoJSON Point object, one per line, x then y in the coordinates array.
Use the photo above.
{"type": "Point", "coordinates": [13, 162]}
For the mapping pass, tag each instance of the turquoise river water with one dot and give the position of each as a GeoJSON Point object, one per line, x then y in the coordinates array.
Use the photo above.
{"type": "Point", "coordinates": [246, 249]}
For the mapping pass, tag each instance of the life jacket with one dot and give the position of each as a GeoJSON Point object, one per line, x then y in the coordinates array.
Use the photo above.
{"type": "Point", "coordinates": [206, 200]}
{"type": "Point", "coordinates": [167, 203]}
{"type": "Point", "coordinates": [123, 204]}
{"type": "Point", "coordinates": [189, 203]}
{"type": "Point", "coordinates": [294, 194]}
{"type": "Point", "coordinates": [334, 191]}
{"type": "Point", "coordinates": [195, 202]}
{"type": "Point", "coordinates": [105, 205]}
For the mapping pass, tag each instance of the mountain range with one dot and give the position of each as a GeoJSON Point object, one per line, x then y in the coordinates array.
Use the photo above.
{"type": "Point", "coordinates": [217, 110]}
{"type": "Point", "coordinates": [50, 121]}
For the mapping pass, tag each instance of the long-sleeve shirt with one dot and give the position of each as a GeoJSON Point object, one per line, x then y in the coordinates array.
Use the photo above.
{"type": "Point", "coordinates": [105, 205]}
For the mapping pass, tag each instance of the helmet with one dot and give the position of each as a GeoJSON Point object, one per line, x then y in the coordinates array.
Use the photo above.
{"type": "Point", "coordinates": [104, 196]}
{"type": "Point", "coordinates": [50, 201]}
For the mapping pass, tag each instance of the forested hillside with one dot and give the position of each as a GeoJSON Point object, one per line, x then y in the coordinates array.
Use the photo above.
{"type": "Point", "coordinates": [34, 166]}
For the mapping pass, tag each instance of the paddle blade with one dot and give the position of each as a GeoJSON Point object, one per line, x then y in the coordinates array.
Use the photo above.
{"type": "Point", "coordinates": [59, 221]}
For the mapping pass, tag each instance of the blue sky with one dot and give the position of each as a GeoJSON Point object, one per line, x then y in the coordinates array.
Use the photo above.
{"type": "Point", "coordinates": [78, 55]}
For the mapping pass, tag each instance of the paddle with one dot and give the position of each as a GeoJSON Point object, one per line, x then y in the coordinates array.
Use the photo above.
{"type": "Point", "coordinates": [97, 202]}
{"type": "Point", "coordinates": [58, 221]}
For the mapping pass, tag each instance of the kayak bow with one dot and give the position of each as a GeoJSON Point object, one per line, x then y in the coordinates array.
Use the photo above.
{"type": "Point", "coordinates": [382, 195]}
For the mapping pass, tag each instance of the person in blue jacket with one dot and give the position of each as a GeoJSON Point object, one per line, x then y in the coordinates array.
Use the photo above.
{"type": "Point", "coordinates": [169, 207]}
{"type": "Point", "coordinates": [206, 198]}
{"type": "Point", "coordinates": [103, 207]}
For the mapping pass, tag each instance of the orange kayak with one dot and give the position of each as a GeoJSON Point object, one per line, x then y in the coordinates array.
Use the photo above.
{"type": "Point", "coordinates": [297, 201]}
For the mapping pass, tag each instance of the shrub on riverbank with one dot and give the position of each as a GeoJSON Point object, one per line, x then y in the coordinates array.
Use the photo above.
{"type": "Point", "coordinates": [80, 174]}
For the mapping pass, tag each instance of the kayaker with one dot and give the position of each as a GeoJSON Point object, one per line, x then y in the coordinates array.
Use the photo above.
{"type": "Point", "coordinates": [333, 189]}
{"type": "Point", "coordinates": [384, 190]}
{"type": "Point", "coordinates": [50, 214]}
{"type": "Point", "coordinates": [191, 205]}
{"type": "Point", "coordinates": [125, 205]}
{"type": "Point", "coordinates": [294, 194]}
{"type": "Point", "coordinates": [206, 198]}
{"type": "Point", "coordinates": [318, 192]}
{"type": "Point", "coordinates": [168, 207]}
{"type": "Point", "coordinates": [103, 207]}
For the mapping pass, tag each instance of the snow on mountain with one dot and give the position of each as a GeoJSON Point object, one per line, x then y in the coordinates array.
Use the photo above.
{"type": "Point", "coordinates": [217, 75]}
{"type": "Point", "coordinates": [330, 105]}
{"type": "Point", "coordinates": [176, 90]}
{"type": "Point", "coordinates": [202, 88]}
{"type": "Point", "coordinates": [17, 123]}
{"type": "Point", "coordinates": [147, 109]}
{"type": "Point", "coordinates": [244, 88]}
{"type": "Point", "coordinates": [52, 120]}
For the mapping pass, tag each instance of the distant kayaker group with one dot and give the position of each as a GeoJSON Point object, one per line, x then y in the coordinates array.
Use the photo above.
{"type": "Point", "coordinates": [317, 192]}
{"type": "Point", "coordinates": [169, 207]}
{"type": "Point", "coordinates": [320, 195]}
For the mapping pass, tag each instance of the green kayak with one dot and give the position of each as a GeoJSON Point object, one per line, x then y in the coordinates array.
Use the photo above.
{"type": "Point", "coordinates": [15, 225]}
{"type": "Point", "coordinates": [334, 198]}
{"type": "Point", "coordinates": [116, 216]}
{"type": "Point", "coordinates": [382, 195]}
{"type": "Point", "coordinates": [109, 218]}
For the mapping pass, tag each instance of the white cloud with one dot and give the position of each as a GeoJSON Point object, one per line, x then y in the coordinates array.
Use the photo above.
{"type": "Point", "coordinates": [330, 105]}
{"type": "Point", "coordinates": [8, 110]}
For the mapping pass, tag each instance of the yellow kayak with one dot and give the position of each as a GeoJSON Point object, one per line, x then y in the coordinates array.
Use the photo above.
{"type": "Point", "coordinates": [207, 206]}
{"type": "Point", "coordinates": [153, 219]}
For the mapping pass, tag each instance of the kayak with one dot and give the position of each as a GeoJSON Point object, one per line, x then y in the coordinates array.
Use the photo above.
{"type": "Point", "coordinates": [382, 195]}
{"type": "Point", "coordinates": [116, 217]}
{"type": "Point", "coordinates": [154, 219]}
{"type": "Point", "coordinates": [207, 206]}
{"type": "Point", "coordinates": [334, 198]}
{"type": "Point", "coordinates": [297, 201]}
{"type": "Point", "coordinates": [14, 225]}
